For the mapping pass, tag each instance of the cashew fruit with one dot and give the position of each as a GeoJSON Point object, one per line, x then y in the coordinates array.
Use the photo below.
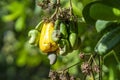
{"type": "Point", "coordinates": [46, 43]}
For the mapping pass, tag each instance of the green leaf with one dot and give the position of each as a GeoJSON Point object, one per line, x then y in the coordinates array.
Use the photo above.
{"type": "Point", "coordinates": [100, 10]}
{"type": "Point", "coordinates": [77, 9]}
{"type": "Point", "coordinates": [104, 12]}
{"type": "Point", "coordinates": [33, 60]}
{"type": "Point", "coordinates": [10, 17]}
{"type": "Point", "coordinates": [15, 9]}
{"type": "Point", "coordinates": [117, 50]}
{"type": "Point", "coordinates": [21, 59]}
{"type": "Point", "coordinates": [102, 24]}
{"type": "Point", "coordinates": [86, 14]}
{"type": "Point", "coordinates": [114, 3]}
{"type": "Point", "coordinates": [14, 6]}
{"type": "Point", "coordinates": [108, 41]}
{"type": "Point", "coordinates": [81, 28]}
{"type": "Point", "coordinates": [20, 24]}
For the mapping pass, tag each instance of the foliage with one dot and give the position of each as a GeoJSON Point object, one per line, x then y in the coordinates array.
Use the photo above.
{"type": "Point", "coordinates": [20, 60]}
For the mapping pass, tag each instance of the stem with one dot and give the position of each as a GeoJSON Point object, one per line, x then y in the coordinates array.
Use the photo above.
{"type": "Point", "coordinates": [58, 1]}
{"type": "Point", "coordinates": [56, 10]}
{"type": "Point", "coordinates": [54, 14]}
{"type": "Point", "coordinates": [71, 66]}
{"type": "Point", "coordinates": [100, 65]}
{"type": "Point", "coordinates": [90, 58]}
{"type": "Point", "coordinates": [94, 61]}
{"type": "Point", "coordinates": [84, 78]}
{"type": "Point", "coordinates": [71, 10]}
{"type": "Point", "coordinates": [93, 76]}
{"type": "Point", "coordinates": [90, 61]}
{"type": "Point", "coordinates": [116, 57]}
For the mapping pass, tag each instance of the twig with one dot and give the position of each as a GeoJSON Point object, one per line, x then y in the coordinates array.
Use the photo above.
{"type": "Point", "coordinates": [89, 61]}
{"type": "Point", "coordinates": [54, 14]}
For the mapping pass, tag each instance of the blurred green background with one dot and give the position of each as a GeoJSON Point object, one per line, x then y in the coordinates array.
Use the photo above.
{"type": "Point", "coordinates": [21, 61]}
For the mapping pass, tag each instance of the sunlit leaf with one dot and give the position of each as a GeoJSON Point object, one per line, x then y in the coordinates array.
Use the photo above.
{"type": "Point", "coordinates": [101, 25]}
